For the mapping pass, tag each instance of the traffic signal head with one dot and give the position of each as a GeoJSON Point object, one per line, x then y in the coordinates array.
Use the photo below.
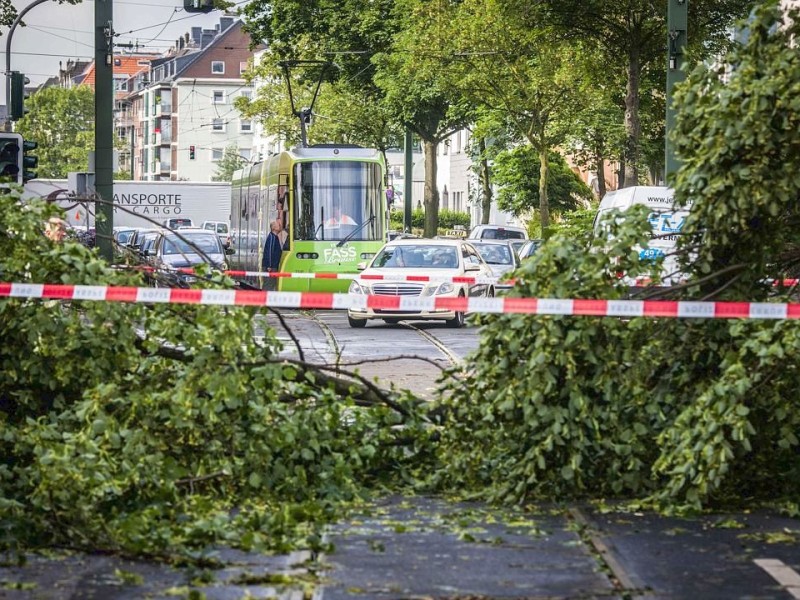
{"type": "Point", "coordinates": [191, 152]}
{"type": "Point", "coordinates": [29, 161]}
{"type": "Point", "coordinates": [17, 93]}
{"type": "Point", "coordinates": [11, 157]}
{"type": "Point", "coordinates": [202, 6]}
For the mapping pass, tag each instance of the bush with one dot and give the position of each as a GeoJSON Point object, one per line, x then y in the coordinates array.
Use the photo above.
{"type": "Point", "coordinates": [448, 219]}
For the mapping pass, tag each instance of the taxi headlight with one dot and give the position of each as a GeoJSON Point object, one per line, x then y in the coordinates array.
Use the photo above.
{"type": "Point", "coordinates": [446, 288]}
{"type": "Point", "coordinates": [357, 288]}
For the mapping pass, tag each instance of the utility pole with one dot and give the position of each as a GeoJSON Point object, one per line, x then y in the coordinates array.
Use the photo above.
{"type": "Point", "coordinates": [409, 181]}
{"type": "Point", "coordinates": [103, 126]}
{"type": "Point", "coordinates": [677, 19]}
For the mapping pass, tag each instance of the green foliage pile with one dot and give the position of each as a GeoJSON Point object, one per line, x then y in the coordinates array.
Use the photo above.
{"type": "Point", "coordinates": [148, 429]}
{"type": "Point", "coordinates": [681, 414]}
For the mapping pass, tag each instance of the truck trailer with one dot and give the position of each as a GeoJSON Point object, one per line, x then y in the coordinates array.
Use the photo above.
{"type": "Point", "coordinates": [141, 203]}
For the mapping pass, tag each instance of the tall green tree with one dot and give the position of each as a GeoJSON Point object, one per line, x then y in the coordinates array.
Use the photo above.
{"type": "Point", "coordinates": [517, 176]}
{"type": "Point", "coordinates": [513, 66]}
{"type": "Point", "coordinates": [61, 121]}
{"type": "Point", "coordinates": [382, 49]}
{"type": "Point", "coordinates": [632, 36]}
{"type": "Point", "coordinates": [418, 89]}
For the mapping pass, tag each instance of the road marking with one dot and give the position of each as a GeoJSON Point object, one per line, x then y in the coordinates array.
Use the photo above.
{"type": "Point", "coordinates": [782, 573]}
{"type": "Point", "coordinates": [451, 356]}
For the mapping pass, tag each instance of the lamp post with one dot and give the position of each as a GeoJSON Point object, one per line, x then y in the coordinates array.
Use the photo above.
{"type": "Point", "coordinates": [677, 18]}
{"type": "Point", "coordinates": [8, 57]}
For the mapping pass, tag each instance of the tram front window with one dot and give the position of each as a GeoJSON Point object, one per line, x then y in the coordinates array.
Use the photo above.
{"type": "Point", "coordinates": [337, 200]}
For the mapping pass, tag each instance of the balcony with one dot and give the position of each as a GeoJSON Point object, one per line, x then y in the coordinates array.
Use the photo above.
{"type": "Point", "coordinates": [162, 109]}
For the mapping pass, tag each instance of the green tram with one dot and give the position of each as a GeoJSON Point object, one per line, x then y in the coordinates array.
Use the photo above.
{"type": "Point", "coordinates": [329, 201]}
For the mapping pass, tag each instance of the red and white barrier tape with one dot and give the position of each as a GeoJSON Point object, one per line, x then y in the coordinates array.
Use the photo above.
{"type": "Point", "coordinates": [350, 276]}
{"type": "Point", "coordinates": [318, 300]}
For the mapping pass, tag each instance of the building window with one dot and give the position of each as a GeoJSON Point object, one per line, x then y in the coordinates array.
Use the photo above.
{"type": "Point", "coordinates": [242, 67]}
{"type": "Point", "coordinates": [245, 153]}
{"type": "Point", "coordinates": [218, 67]}
{"type": "Point", "coordinates": [216, 154]}
{"type": "Point", "coordinates": [246, 126]}
{"type": "Point", "coordinates": [218, 125]}
{"type": "Point", "coordinates": [120, 83]}
{"type": "Point", "coordinates": [218, 97]}
{"type": "Point", "coordinates": [248, 94]}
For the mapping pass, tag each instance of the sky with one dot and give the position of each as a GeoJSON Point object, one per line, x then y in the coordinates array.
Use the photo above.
{"type": "Point", "coordinates": [56, 33]}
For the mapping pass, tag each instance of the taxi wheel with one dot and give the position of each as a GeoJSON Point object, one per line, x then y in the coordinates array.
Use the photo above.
{"type": "Point", "coordinates": [458, 320]}
{"type": "Point", "coordinates": [357, 323]}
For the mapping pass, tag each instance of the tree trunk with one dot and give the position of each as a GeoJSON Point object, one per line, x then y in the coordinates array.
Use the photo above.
{"type": "Point", "coordinates": [633, 126]}
{"type": "Point", "coordinates": [544, 204]}
{"type": "Point", "coordinates": [600, 171]}
{"type": "Point", "coordinates": [431, 197]}
{"type": "Point", "coordinates": [486, 185]}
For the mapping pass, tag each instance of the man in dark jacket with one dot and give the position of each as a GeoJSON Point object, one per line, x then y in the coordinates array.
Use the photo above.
{"type": "Point", "coordinates": [271, 260]}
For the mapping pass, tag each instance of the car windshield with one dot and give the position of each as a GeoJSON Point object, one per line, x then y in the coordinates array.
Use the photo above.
{"type": "Point", "coordinates": [207, 243]}
{"type": "Point", "coordinates": [417, 256]}
{"type": "Point", "coordinates": [495, 254]}
{"type": "Point", "coordinates": [502, 234]}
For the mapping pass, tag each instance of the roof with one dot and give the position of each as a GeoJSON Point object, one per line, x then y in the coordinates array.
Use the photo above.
{"type": "Point", "coordinates": [123, 65]}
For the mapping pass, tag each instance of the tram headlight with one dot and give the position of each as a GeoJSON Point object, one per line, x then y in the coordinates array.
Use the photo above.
{"type": "Point", "coordinates": [307, 255]}
{"type": "Point", "coordinates": [357, 288]}
{"type": "Point", "coordinates": [367, 255]}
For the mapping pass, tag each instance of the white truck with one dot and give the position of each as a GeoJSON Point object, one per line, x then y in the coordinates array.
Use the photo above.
{"type": "Point", "coordinates": [665, 218]}
{"type": "Point", "coordinates": [137, 201]}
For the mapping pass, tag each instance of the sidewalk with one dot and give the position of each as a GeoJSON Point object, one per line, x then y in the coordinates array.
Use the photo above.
{"type": "Point", "coordinates": [423, 548]}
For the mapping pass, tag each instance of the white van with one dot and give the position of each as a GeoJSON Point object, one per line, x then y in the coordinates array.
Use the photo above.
{"type": "Point", "coordinates": [667, 222]}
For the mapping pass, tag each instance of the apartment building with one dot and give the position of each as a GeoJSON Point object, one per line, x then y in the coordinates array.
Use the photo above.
{"type": "Point", "coordinates": [177, 116]}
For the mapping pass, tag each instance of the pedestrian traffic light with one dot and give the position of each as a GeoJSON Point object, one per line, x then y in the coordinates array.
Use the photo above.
{"type": "Point", "coordinates": [17, 109]}
{"type": "Point", "coordinates": [29, 161]}
{"type": "Point", "coordinates": [11, 157]}
{"type": "Point", "coordinates": [201, 6]}
{"type": "Point", "coordinates": [191, 152]}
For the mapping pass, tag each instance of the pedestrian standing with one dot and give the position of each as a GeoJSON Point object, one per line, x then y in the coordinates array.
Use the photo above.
{"type": "Point", "coordinates": [271, 259]}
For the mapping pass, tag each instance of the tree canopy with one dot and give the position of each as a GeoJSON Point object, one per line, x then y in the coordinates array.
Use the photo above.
{"type": "Point", "coordinates": [61, 121]}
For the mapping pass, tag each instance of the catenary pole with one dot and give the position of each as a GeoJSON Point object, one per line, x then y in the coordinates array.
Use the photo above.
{"type": "Point", "coordinates": [677, 19]}
{"type": "Point", "coordinates": [103, 128]}
{"type": "Point", "coordinates": [409, 181]}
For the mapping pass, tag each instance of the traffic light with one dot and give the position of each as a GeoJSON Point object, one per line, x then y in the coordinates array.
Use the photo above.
{"type": "Point", "coordinates": [191, 152]}
{"type": "Point", "coordinates": [10, 157]}
{"type": "Point", "coordinates": [29, 161]}
{"type": "Point", "coordinates": [17, 92]}
{"type": "Point", "coordinates": [201, 6]}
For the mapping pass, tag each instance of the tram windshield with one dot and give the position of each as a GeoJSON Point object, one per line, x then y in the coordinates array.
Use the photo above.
{"type": "Point", "coordinates": [337, 200]}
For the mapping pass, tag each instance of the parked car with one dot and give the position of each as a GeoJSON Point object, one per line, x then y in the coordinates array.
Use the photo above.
{"type": "Point", "coordinates": [529, 248]}
{"type": "Point", "coordinates": [497, 232]}
{"type": "Point", "coordinates": [140, 240]}
{"type": "Point", "coordinates": [500, 257]}
{"type": "Point", "coordinates": [443, 259]}
{"type": "Point", "coordinates": [186, 248]}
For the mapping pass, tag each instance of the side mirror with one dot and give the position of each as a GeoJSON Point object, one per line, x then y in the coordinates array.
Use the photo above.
{"type": "Point", "coordinates": [229, 250]}
{"type": "Point", "coordinates": [361, 266]}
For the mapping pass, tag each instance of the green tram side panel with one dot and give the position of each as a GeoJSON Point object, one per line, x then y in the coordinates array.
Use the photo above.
{"type": "Point", "coordinates": [332, 259]}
